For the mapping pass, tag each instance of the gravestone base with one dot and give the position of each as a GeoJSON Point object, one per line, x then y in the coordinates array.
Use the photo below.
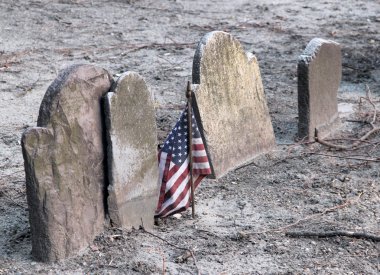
{"type": "Point", "coordinates": [325, 130]}
{"type": "Point", "coordinates": [133, 213]}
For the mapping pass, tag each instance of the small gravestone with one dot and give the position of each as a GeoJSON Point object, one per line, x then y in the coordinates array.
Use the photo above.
{"type": "Point", "coordinates": [131, 152]}
{"type": "Point", "coordinates": [64, 164]}
{"type": "Point", "coordinates": [230, 102]}
{"type": "Point", "coordinates": [319, 76]}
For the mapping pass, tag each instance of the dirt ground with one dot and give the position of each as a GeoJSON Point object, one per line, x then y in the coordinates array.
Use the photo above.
{"type": "Point", "coordinates": [243, 218]}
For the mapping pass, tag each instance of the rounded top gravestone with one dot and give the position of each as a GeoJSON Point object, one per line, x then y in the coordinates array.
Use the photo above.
{"type": "Point", "coordinates": [230, 102]}
{"type": "Point", "coordinates": [131, 152]}
{"type": "Point", "coordinates": [64, 164]}
{"type": "Point", "coordinates": [319, 76]}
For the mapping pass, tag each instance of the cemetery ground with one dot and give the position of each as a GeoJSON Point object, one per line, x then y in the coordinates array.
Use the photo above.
{"type": "Point", "coordinates": [244, 220]}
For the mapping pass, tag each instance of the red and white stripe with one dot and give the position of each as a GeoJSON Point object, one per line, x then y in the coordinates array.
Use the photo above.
{"type": "Point", "coordinates": [175, 193]}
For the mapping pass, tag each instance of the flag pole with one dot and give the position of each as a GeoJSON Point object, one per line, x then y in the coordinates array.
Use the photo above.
{"type": "Point", "coordinates": [190, 144]}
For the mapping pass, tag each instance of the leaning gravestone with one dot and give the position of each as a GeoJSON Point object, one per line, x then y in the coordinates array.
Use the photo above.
{"type": "Point", "coordinates": [319, 75]}
{"type": "Point", "coordinates": [131, 152]}
{"type": "Point", "coordinates": [230, 102]}
{"type": "Point", "coordinates": [64, 164]}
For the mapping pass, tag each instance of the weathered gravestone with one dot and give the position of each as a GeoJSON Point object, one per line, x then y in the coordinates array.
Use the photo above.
{"type": "Point", "coordinates": [64, 164]}
{"type": "Point", "coordinates": [230, 102]}
{"type": "Point", "coordinates": [319, 75]}
{"type": "Point", "coordinates": [131, 152]}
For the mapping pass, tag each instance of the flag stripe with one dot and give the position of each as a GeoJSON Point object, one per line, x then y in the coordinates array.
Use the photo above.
{"type": "Point", "coordinates": [176, 175]}
{"type": "Point", "coordinates": [197, 141]}
{"type": "Point", "coordinates": [201, 153]}
{"type": "Point", "coordinates": [171, 210]}
{"type": "Point", "coordinates": [203, 159]}
{"type": "Point", "coordinates": [164, 162]}
{"type": "Point", "coordinates": [183, 199]}
{"type": "Point", "coordinates": [174, 201]}
{"type": "Point", "coordinates": [171, 192]}
{"type": "Point", "coordinates": [198, 147]}
{"type": "Point", "coordinates": [174, 167]}
{"type": "Point", "coordinates": [202, 171]}
{"type": "Point", "coordinates": [202, 165]}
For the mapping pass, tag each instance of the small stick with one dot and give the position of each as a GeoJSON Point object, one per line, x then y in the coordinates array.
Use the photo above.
{"type": "Point", "coordinates": [171, 244]}
{"type": "Point", "coordinates": [373, 131]}
{"type": "Point", "coordinates": [328, 210]}
{"type": "Point", "coordinates": [328, 144]}
{"type": "Point", "coordinates": [162, 239]}
{"type": "Point", "coordinates": [343, 157]}
{"type": "Point", "coordinates": [246, 165]}
{"type": "Point", "coordinates": [12, 200]}
{"type": "Point", "coordinates": [359, 235]}
{"type": "Point", "coordinates": [364, 137]}
{"type": "Point", "coordinates": [343, 147]}
{"type": "Point", "coordinates": [195, 262]}
{"type": "Point", "coordinates": [368, 98]}
{"type": "Point", "coordinates": [351, 139]}
{"type": "Point", "coordinates": [163, 264]}
{"type": "Point", "coordinates": [190, 145]}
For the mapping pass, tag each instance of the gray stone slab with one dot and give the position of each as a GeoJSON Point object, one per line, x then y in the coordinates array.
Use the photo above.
{"type": "Point", "coordinates": [319, 76]}
{"type": "Point", "coordinates": [131, 152]}
{"type": "Point", "coordinates": [230, 102]}
{"type": "Point", "coordinates": [64, 164]}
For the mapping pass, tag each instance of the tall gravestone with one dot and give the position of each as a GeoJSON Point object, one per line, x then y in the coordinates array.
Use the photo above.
{"type": "Point", "coordinates": [132, 152]}
{"type": "Point", "coordinates": [64, 164]}
{"type": "Point", "coordinates": [319, 76]}
{"type": "Point", "coordinates": [230, 102]}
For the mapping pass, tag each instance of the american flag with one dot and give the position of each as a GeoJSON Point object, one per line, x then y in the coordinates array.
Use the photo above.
{"type": "Point", "coordinates": [175, 191]}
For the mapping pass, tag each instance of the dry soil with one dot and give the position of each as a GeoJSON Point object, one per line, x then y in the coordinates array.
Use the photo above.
{"type": "Point", "coordinates": [242, 219]}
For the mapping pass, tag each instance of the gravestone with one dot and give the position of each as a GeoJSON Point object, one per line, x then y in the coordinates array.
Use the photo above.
{"type": "Point", "coordinates": [131, 152]}
{"type": "Point", "coordinates": [230, 103]}
{"type": "Point", "coordinates": [319, 76]}
{"type": "Point", "coordinates": [64, 164]}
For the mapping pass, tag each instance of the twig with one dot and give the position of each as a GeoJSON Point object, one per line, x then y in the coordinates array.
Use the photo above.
{"type": "Point", "coordinates": [367, 135]}
{"type": "Point", "coordinates": [297, 143]}
{"type": "Point", "coordinates": [351, 139]}
{"type": "Point", "coordinates": [246, 165]}
{"type": "Point", "coordinates": [302, 141]}
{"type": "Point", "coordinates": [359, 235]}
{"type": "Point", "coordinates": [195, 262]}
{"type": "Point", "coordinates": [328, 144]}
{"type": "Point", "coordinates": [345, 147]}
{"type": "Point", "coordinates": [355, 120]}
{"type": "Point", "coordinates": [171, 244]}
{"type": "Point", "coordinates": [343, 157]}
{"type": "Point", "coordinates": [364, 137]}
{"type": "Point", "coordinates": [165, 241]}
{"type": "Point", "coordinates": [152, 46]}
{"type": "Point", "coordinates": [20, 235]}
{"type": "Point", "coordinates": [159, 251]}
{"type": "Point", "coordinates": [11, 199]}
{"type": "Point", "coordinates": [352, 68]}
{"type": "Point", "coordinates": [368, 98]}
{"type": "Point", "coordinates": [328, 210]}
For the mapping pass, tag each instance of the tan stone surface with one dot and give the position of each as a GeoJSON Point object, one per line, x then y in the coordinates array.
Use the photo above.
{"type": "Point", "coordinates": [131, 152]}
{"type": "Point", "coordinates": [64, 164]}
{"type": "Point", "coordinates": [231, 102]}
{"type": "Point", "coordinates": [319, 76]}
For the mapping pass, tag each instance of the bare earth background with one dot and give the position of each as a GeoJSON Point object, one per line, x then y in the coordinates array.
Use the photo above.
{"type": "Point", "coordinates": [242, 218]}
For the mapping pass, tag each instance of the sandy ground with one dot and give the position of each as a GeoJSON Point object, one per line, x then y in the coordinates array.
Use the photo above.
{"type": "Point", "coordinates": [241, 218]}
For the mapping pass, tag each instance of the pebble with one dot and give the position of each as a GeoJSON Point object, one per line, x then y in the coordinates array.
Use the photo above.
{"type": "Point", "coordinates": [177, 216]}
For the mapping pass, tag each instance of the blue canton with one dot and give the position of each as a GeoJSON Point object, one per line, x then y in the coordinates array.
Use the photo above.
{"type": "Point", "coordinates": [177, 142]}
